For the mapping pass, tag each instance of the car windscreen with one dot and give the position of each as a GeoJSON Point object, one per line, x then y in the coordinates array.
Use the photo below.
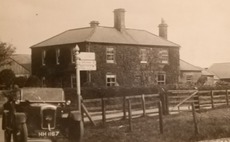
{"type": "Point", "coordinates": [42, 94]}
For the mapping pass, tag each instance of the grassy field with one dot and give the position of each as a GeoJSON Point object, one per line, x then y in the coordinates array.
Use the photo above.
{"type": "Point", "coordinates": [212, 124]}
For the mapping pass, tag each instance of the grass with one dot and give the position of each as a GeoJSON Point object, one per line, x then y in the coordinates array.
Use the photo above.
{"type": "Point", "coordinates": [212, 124]}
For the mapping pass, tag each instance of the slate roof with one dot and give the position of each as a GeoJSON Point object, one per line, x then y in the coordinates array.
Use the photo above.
{"type": "Point", "coordinates": [101, 34]}
{"type": "Point", "coordinates": [221, 70]}
{"type": "Point", "coordinates": [185, 66]}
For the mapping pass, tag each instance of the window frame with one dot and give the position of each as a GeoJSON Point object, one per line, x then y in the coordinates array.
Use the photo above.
{"type": "Point", "coordinates": [110, 83]}
{"type": "Point", "coordinates": [189, 78]}
{"type": "Point", "coordinates": [57, 51]}
{"type": "Point", "coordinates": [43, 81]}
{"type": "Point", "coordinates": [73, 81]}
{"type": "Point", "coordinates": [159, 81]}
{"type": "Point", "coordinates": [72, 54]}
{"type": "Point", "coordinates": [111, 54]}
{"type": "Point", "coordinates": [43, 57]}
{"type": "Point", "coordinates": [164, 56]}
{"type": "Point", "coordinates": [143, 55]}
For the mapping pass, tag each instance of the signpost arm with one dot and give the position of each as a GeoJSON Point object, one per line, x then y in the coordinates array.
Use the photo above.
{"type": "Point", "coordinates": [78, 82]}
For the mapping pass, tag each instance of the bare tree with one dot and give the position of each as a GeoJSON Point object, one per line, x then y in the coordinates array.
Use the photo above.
{"type": "Point", "coordinates": [6, 50]}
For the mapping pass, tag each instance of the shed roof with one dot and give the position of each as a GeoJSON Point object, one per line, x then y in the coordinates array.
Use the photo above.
{"type": "Point", "coordinates": [221, 70]}
{"type": "Point", "coordinates": [23, 60]}
{"type": "Point", "coordinates": [185, 66]}
{"type": "Point", "coordinates": [101, 34]}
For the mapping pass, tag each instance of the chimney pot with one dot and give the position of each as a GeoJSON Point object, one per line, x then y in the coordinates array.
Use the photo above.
{"type": "Point", "coordinates": [94, 23]}
{"type": "Point", "coordinates": [119, 19]}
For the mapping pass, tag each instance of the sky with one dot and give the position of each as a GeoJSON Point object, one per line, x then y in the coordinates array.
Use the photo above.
{"type": "Point", "coordinates": [200, 27]}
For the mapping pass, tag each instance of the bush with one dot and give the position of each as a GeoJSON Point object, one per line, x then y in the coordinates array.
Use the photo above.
{"type": "Point", "coordinates": [7, 77]}
{"type": "Point", "coordinates": [107, 92]}
{"type": "Point", "coordinates": [33, 81]}
{"type": "Point", "coordinates": [20, 81]}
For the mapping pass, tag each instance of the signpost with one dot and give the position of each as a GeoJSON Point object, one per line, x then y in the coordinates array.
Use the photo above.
{"type": "Point", "coordinates": [85, 61]}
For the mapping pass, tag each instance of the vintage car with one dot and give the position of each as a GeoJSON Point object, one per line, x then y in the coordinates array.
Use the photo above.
{"type": "Point", "coordinates": [41, 113]}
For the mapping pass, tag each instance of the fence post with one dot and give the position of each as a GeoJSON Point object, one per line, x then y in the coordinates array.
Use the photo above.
{"type": "Point", "coordinates": [143, 104]}
{"type": "Point", "coordinates": [162, 99]}
{"type": "Point", "coordinates": [160, 111]}
{"type": "Point", "coordinates": [124, 107]}
{"type": "Point", "coordinates": [212, 102]}
{"type": "Point", "coordinates": [195, 119]}
{"type": "Point", "coordinates": [103, 110]}
{"type": "Point", "coordinates": [130, 115]}
{"type": "Point", "coordinates": [227, 98]}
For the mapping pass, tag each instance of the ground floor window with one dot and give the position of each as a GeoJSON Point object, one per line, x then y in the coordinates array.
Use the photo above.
{"type": "Point", "coordinates": [189, 78]}
{"type": "Point", "coordinates": [73, 81]}
{"type": "Point", "coordinates": [111, 80]}
{"type": "Point", "coordinates": [43, 82]}
{"type": "Point", "coordinates": [161, 79]}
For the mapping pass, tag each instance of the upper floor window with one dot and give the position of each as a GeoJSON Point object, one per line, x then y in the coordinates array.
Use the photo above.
{"type": "Point", "coordinates": [43, 57]}
{"type": "Point", "coordinates": [111, 80]}
{"type": "Point", "coordinates": [110, 55]}
{"type": "Point", "coordinates": [57, 56]}
{"type": "Point", "coordinates": [73, 81]}
{"type": "Point", "coordinates": [163, 56]}
{"type": "Point", "coordinates": [73, 58]}
{"type": "Point", "coordinates": [161, 79]}
{"type": "Point", "coordinates": [143, 55]}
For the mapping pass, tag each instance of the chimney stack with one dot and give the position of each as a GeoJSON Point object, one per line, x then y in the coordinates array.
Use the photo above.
{"type": "Point", "coordinates": [94, 24]}
{"type": "Point", "coordinates": [119, 19]}
{"type": "Point", "coordinates": [163, 29]}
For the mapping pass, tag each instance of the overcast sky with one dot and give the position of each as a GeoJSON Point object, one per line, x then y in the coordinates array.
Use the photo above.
{"type": "Point", "coordinates": [201, 27]}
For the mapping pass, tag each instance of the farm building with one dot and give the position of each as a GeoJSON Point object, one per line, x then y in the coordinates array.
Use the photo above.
{"type": "Point", "coordinates": [221, 71]}
{"type": "Point", "coordinates": [20, 64]}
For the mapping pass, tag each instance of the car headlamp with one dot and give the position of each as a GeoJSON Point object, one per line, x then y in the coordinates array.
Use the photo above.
{"type": "Point", "coordinates": [68, 102]}
{"type": "Point", "coordinates": [17, 101]}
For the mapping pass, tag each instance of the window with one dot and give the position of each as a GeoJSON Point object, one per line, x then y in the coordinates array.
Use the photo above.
{"type": "Point", "coordinates": [57, 56]}
{"type": "Point", "coordinates": [161, 78]}
{"type": "Point", "coordinates": [43, 57]}
{"type": "Point", "coordinates": [111, 80]}
{"type": "Point", "coordinates": [163, 56]}
{"type": "Point", "coordinates": [188, 78]}
{"type": "Point", "coordinates": [137, 80]}
{"type": "Point", "coordinates": [73, 81]}
{"type": "Point", "coordinates": [110, 55]}
{"type": "Point", "coordinates": [43, 82]}
{"type": "Point", "coordinates": [72, 52]}
{"type": "Point", "coordinates": [143, 55]}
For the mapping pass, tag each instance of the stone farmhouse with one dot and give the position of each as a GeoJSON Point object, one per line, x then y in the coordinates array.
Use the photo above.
{"type": "Point", "coordinates": [124, 56]}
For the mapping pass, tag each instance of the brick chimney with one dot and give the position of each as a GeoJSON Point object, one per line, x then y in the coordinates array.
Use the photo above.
{"type": "Point", "coordinates": [119, 19]}
{"type": "Point", "coordinates": [94, 23]}
{"type": "Point", "coordinates": [163, 29]}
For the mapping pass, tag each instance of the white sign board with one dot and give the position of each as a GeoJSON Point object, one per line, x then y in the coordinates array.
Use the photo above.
{"type": "Point", "coordinates": [86, 56]}
{"type": "Point", "coordinates": [87, 65]}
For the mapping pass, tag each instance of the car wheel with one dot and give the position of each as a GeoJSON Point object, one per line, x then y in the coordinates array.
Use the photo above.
{"type": "Point", "coordinates": [7, 136]}
{"type": "Point", "coordinates": [76, 130]}
{"type": "Point", "coordinates": [21, 134]}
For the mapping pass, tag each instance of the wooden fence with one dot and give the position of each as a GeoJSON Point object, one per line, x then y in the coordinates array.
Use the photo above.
{"type": "Point", "coordinates": [179, 100]}
{"type": "Point", "coordinates": [107, 109]}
